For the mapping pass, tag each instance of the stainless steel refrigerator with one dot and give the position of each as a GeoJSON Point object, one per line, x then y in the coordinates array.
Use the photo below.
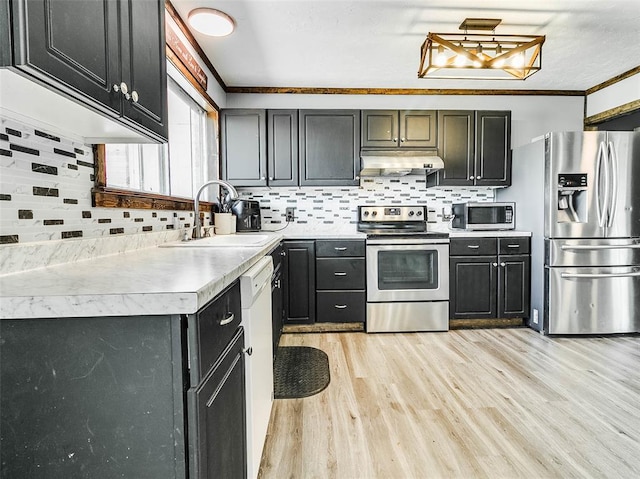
{"type": "Point", "coordinates": [579, 194]}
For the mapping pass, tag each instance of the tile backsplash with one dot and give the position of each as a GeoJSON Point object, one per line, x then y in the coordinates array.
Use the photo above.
{"type": "Point", "coordinates": [334, 209]}
{"type": "Point", "coordinates": [45, 192]}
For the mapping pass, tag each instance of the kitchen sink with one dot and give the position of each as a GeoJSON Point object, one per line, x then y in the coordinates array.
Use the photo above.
{"type": "Point", "coordinates": [226, 241]}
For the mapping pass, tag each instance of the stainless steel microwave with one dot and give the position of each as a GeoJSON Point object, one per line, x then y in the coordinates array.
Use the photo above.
{"type": "Point", "coordinates": [483, 216]}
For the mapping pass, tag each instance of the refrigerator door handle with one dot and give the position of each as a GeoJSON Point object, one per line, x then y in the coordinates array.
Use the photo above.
{"type": "Point", "coordinates": [583, 247]}
{"type": "Point", "coordinates": [599, 275]}
{"type": "Point", "coordinates": [600, 208]}
{"type": "Point", "coordinates": [613, 194]}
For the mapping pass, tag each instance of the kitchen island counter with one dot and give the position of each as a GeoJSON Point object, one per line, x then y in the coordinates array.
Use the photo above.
{"type": "Point", "coordinates": [152, 281]}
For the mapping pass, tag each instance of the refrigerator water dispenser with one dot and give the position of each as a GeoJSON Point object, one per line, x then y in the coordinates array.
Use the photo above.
{"type": "Point", "coordinates": [572, 198]}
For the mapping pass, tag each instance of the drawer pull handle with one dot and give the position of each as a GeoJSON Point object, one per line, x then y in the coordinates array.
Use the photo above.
{"type": "Point", "coordinates": [340, 306]}
{"type": "Point", "coordinates": [339, 273]}
{"type": "Point", "coordinates": [473, 246]}
{"type": "Point", "coordinates": [230, 317]}
{"type": "Point", "coordinates": [513, 246]}
{"type": "Point", "coordinates": [342, 248]}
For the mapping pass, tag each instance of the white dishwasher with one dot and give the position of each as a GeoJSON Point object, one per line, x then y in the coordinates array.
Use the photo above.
{"type": "Point", "coordinates": [255, 287]}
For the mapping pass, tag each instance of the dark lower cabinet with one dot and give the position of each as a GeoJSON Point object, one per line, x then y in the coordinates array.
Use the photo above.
{"type": "Point", "coordinates": [473, 287]}
{"type": "Point", "coordinates": [495, 286]}
{"type": "Point", "coordinates": [106, 397]}
{"type": "Point", "coordinates": [340, 281]}
{"type": "Point", "coordinates": [299, 277]}
{"type": "Point", "coordinates": [277, 295]}
{"type": "Point", "coordinates": [219, 417]}
{"type": "Point", "coordinates": [514, 286]}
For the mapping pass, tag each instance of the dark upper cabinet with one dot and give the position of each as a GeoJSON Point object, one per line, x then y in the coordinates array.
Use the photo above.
{"type": "Point", "coordinates": [298, 275]}
{"type": "Point", "coordinates": [259, 147]}
{"type": "Point", "coordinates": [398, 129]}
{"type": "Point", "coordinates": [243, 141]}
{"type": "Point", "coordinates": [144, 65]}
{"type": "Point", "coordinates": [282, 145]}
{"type": "Point", "coordinates": [493, 148]}
{"type": "Point", "coordinates": [475, 147]}
{"type": "Point", "coordinates": [456, 135]}
{"type": "Point", "coordinates": [114, 63]}
{"type": "Point", "coordinates": [329, 147]}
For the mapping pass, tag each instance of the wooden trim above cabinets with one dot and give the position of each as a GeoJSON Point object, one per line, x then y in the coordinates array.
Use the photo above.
{"type": "Point", "coordinates": [194, 43]}
{"type": "Point", "coordinates": [612, 113]}
{"type": "Point", "coordinates": [397, 91]}
{"type": "Point", "coordinates": [615, 79]}
{"type": "Point", "coordinates": [173, 58]}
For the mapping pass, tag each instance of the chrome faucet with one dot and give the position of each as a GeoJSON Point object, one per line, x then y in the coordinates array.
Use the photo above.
{"type": "Point", "coordinates": [233, 194]}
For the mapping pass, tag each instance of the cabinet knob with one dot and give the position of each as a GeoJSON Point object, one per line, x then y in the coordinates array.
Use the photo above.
{"type": "Point", "coordinates": [283, 253]}
{"type": "Point", "coordinates": [471, 178]}
{"type": "Point", "coordinates": [478, 177]}
{"type": "Point", "coordinates": [402, 140]}
{"type": "Point", "coordinates": [134, 96]}
{"type": "Point", "coordinates": [395, 140]}
{"type": "Point", "coordinates": [263, 177]}
{"type": "Point", "coordinates": [116, 88]}
{"type": "Point", "coordinates": [124, 88]}
{"type": "Point", "coordinates": [127, 96]}
{"type": "Point", "coordinates": [248, 351]}
{"type": "Point", "coordinates": [271, 178]}
{"type": "Point", "coordinates": [495, 265]}
{"type": "Point", "coordinates": [503, 264]}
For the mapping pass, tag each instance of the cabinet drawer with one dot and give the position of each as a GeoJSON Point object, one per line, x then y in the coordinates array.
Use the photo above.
{"type": "Point", "coordinates": [329, 248]}
{"type": "Point", "coordinates": [340, 273]}
{"type": "Point", "coordinates": [519, 245]}
{"type": "Point", "coordinates": [211, 329]}
{"type": "Point", "coordinates": [473, 246]}
{"type": "Point", "coordinates": [341, 306]}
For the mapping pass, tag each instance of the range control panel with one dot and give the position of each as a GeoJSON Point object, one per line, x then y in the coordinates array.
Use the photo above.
{"type": "Point", "coordinates": [392, 213]}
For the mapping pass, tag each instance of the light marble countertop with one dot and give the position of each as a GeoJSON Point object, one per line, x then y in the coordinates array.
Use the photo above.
{"type": "Point", "coordinates": [151, 281]}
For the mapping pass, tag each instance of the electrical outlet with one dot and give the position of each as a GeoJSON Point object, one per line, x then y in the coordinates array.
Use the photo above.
{"type": "Point", "coordinates": [290, 213]}
{"type": "Point", "coordinates": [535, 316]}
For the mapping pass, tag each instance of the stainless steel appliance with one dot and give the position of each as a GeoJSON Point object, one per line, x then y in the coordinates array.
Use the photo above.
{"type": "Point", "coordinates": [247, 213]}
{"type": "Point", "coordinates": [578, 193]}
{"type": "Point", "coordinates": [483, 216]}
{"type": "Point", "coordinates": [407, 270]}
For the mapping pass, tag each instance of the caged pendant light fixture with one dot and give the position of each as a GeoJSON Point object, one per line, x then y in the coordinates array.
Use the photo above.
{"type": "Point", "coordinates": [480, 56]}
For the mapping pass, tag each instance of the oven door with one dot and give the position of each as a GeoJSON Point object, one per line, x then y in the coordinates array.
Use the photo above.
{"type": "Point", "coordinates": [407, 272]}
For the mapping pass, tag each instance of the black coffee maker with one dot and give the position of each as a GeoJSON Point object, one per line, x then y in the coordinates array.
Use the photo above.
{"type": "Point", "coordinates": [247, 214]}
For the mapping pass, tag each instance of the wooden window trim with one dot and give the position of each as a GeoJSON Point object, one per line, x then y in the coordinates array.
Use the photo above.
{"type": "Point", "coordinates": [105, 197]}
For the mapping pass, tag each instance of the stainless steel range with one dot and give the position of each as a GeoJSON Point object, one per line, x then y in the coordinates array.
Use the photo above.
{"type": "Point", "coordinates": [407, 270]}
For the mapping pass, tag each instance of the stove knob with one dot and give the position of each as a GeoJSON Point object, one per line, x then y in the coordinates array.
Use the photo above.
{"type": "Point", "coordinates": [374, 213]}
{"type": "Point", "coordinates": [411, 213]}
{"type": "Point", "coordinates": [366, 213]}
{"type": "Point", "coordinates": [419, 213]}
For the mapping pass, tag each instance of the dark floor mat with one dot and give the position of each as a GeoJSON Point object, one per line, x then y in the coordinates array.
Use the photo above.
{"type": "Point", "coordinates": [299, 371]}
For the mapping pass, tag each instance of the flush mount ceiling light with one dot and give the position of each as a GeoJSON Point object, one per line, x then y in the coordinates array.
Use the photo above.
{"type": "Point", "coordinates": [480, 56]}
{"type": "Point", "coordinates": [212, 22]}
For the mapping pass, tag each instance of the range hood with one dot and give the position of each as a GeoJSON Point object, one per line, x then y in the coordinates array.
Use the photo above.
{"type": "Point", "coordinates": [399, 162]}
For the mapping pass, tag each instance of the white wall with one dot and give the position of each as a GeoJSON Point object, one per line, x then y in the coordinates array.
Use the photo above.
{"type": "Point", "coordinates": [531, 116]}
{"type": "Point", "coordinates": [620, 93]}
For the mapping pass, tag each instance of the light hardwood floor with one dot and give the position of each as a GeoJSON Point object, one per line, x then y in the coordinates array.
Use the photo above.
{"type": "Point", "coordinates": [499, 403]}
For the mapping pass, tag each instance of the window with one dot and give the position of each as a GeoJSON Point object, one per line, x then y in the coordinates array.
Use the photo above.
{"type": "Point", "coordinates": [175, 169]}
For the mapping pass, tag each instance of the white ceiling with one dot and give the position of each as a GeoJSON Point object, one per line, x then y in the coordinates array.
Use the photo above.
{"type": "Point", "coordinates": [376, 44]}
